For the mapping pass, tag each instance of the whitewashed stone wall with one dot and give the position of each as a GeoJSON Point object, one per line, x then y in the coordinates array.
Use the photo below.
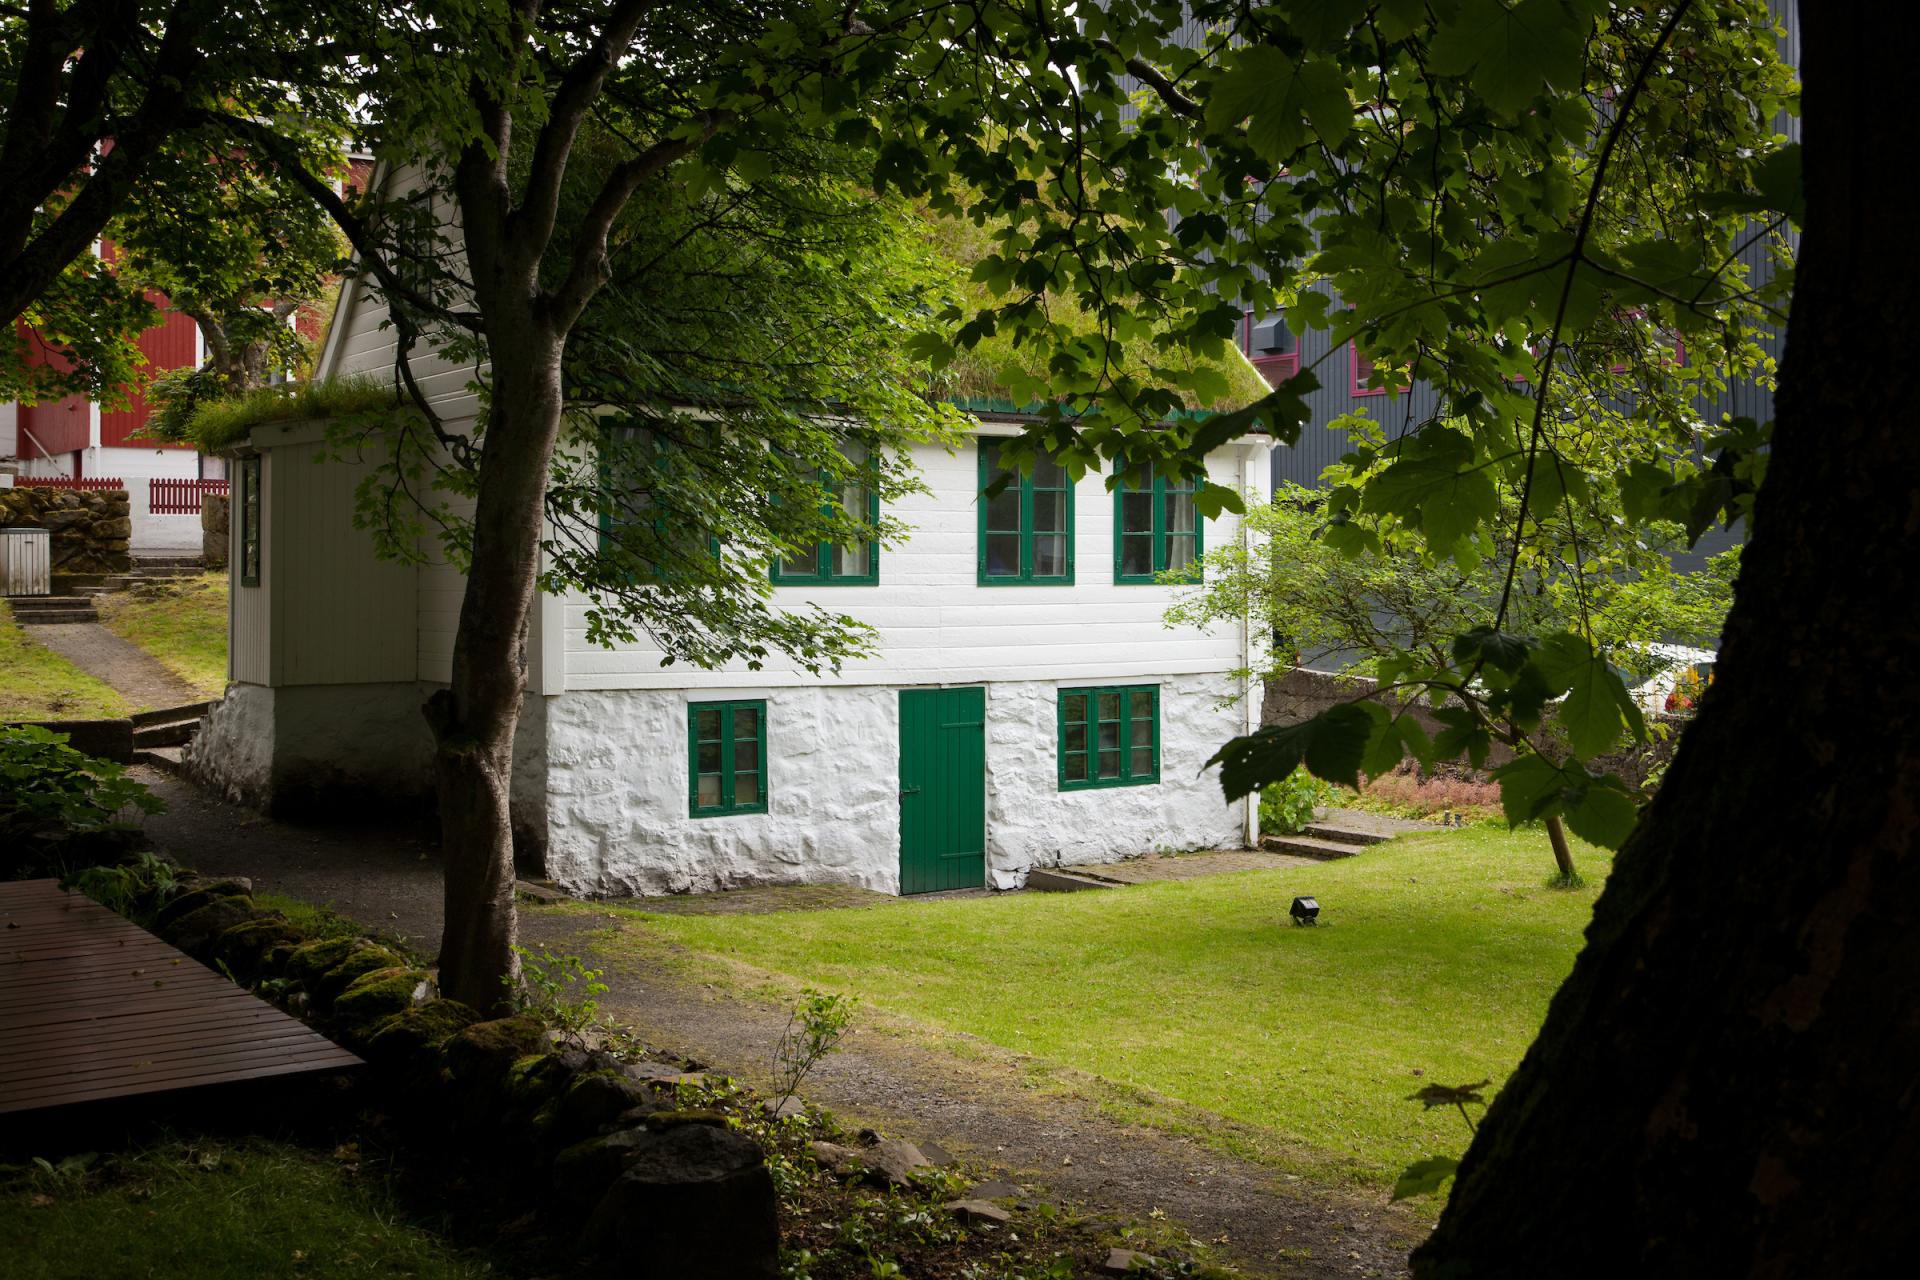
{"type": "Point", "coordinates": [616, 795]}
{"type": "Point", "coordinates": [304, 746]}
{"type": "Point", "coordinates": [232, 753]}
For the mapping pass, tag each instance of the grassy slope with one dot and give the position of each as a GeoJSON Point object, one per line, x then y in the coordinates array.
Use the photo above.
{"type": "Point", "coordinates": [1437, 956]}
{"type": "Point", "coordinates": [202, 1212]}
{"type": "Point", "coordinates": [186, 629]}
{"type": "Point", "coordinates": [38, 684]}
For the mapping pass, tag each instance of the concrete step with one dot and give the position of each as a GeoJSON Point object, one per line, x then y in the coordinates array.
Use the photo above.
{"type": "Point", "coordinates": [22, 604]}
{"type": "Point", "coordinates": [54, 617]}
{"type": "Point", "coordinates": [188, 712]}
{"type": "Point", "coordinates": [192, 563]}
{"type": "Point", "coordinates": [1046, 881]}
{"type": "Point", "coordinates": [164, 758]}
{"type": "Point", "coordinates": [1304, 846]}
{"type": "Point", "coordinates": [177, 734]}
{"type": "Point", "coordinates": [1342, 833]}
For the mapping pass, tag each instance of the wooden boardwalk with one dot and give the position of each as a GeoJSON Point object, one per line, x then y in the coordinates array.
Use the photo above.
{"type": "Point", "coordinates": [92, 1007]}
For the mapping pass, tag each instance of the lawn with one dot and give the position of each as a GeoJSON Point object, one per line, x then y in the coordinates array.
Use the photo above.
{"type": "Point", "coordinates": [183, 625]}
{"type": "Point", "coordinates": [199, 1210]}
{"type": "Point", "coordinates": [38, 684]}
{"type": "Point", "coordinates": [1433, 963]}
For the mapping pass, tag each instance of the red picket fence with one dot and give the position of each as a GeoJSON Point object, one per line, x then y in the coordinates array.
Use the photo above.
{"type": "Point", "coordinates": [180, 497]}
{"type": "Point", "coordinates": [68, 482]}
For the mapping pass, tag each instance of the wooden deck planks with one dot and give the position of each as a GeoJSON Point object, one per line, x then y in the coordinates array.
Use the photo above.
{"type": "Point", "coordinates": [92, 1008]}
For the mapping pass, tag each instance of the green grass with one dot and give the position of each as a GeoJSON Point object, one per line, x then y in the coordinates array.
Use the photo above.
{"type": "Point", "coordinates": [202, 1211]}
{"type": "Point", "coordinates": [38, 684]}
{"type": "Point", "coordinates": [1434, 963]}
{"type": "Point", "coordinates": [184, 628]}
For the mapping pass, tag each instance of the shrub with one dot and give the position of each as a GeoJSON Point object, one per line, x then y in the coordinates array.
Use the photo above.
{"type": "Point", "coordinates": [1408, 793]}
{"type": "Point", "coordinates": [1286, 807]}
{"type": "Point", "coordinates": [60, 808]}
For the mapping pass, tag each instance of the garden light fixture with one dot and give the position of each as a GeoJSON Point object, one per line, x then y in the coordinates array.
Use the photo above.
{"type": "Point", "coordinates": [1304, 911]}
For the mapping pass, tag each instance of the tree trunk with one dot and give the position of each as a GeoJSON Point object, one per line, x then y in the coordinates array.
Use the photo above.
{"type": "Point", "coordinates": [1562, 855]}
{"type": "Point", "coordinates": [1726, 1083]}
{"type": "Point", "coordinates": [473, 719]}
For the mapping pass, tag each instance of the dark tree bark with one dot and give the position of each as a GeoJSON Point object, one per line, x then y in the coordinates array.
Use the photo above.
{"type": "Point", "coordinates": [1726, 1085]}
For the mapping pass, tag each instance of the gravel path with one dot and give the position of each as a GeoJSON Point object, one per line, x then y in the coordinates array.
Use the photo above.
{"type": "Point", "coordinates": [977, 1100]}
{"type": "Point", "coordinates": [131, 670]}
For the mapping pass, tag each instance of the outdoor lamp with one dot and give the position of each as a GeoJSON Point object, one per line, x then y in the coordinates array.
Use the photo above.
{"type": "Point", "coordinates": [1304, 911]}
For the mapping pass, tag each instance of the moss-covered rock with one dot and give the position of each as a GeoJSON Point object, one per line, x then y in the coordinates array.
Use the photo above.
{"type": "Point", "coordinates": [375, 996]}
{"type": "Point", "coordinates": [197, 897]}
{"type": "Point", "coordinates": [309, 962]}
{"type": "Point", "coordinates": [488, 1050]}
{"type": "Point", "coordinates": [194, 932]}
{"type": "Point", "coordinates": [245, 947]}
{"type": "Point", "coordinates": [592, 1102]}
{"type": "Point", "coordinates": [366, 957]}
{"type": "Point", "coordinates": [414, 1035]}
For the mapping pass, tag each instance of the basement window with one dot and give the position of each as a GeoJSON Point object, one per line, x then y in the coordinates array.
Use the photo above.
{"type": "Point", "coordinates": [1109, 737]}
{"type": "Point", "coordinates": [726, 758]}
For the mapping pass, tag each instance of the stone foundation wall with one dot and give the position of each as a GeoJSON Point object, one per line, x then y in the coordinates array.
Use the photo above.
{"type": "Point", "coordinates": [213, 529]}
{"type": "Point", "coordinates": [91, 528]}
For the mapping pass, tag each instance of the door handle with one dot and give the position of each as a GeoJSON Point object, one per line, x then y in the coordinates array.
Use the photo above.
{"type": "Point", "coordinates": [909, 791]}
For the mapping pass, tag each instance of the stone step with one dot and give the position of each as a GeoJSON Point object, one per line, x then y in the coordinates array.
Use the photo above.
{"type": "Point", "coordinates": [190, 712]}
{"type": "Point", "coordinates": [168, 562]}
{"type": "Point", "coordinates": [24, 604]}
{"type": "Point", "coordinates": [1309, 846]}
{"type": "Point", "coordinates": [164, 758]}
{"type": "Point", "coordinates": [1342, 833]}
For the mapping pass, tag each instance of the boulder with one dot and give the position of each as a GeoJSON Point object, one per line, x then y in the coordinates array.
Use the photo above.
{"type": "Point", "coordinates": [195, 931]}
{"type": "Point", "coordinates": [246, 948]}
{"type": "Point", "coordinates": [199, 896]}
{"type": "Point", "coordinates": [375, 996]}
{"type": "Point", "coordinates": [892, 1162]}
{"type": "Point", "coordinates": [413, 1035]}
{"type": "Point", "coordinates": [977, 1211]}
{"type": "Point", "coordinates": [583, 1172]}
{"type": "Point", "coordinates": [308, 962]}
{"type": "Point", "coordinates": [1129, 1262]}
{"type": "Point", "coordinates": [593, 1102]}
{"type": "Point", "coordinates": [489, 1049]}
{"type": "Point", "coordinates": [366, 957]}
{"type": "Point", "coordinates": [831, 1155]}
{"type": "Point", "coordinates": [695, 1203]}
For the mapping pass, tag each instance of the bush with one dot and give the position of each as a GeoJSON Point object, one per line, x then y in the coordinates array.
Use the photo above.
{"type": "Point", "coordinates": [60, 808]}
{"type": "Point", "coordinates": [1406, 792]}
{"type": "Point", "coordinates": [1286, 807]}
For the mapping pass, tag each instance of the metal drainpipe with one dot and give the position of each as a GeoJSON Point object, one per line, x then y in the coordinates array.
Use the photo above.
{"type": "Point", "coordinates": [1249, 709]}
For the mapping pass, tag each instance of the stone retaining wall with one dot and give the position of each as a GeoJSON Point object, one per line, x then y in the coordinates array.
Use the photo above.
{"type": "Point", "coordinates": [91, 528]}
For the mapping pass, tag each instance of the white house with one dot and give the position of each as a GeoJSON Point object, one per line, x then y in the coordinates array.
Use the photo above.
{"type": "Point", "coordinates": [1027, 705]}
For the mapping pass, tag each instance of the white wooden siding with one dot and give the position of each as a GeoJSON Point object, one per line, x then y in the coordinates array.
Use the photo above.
{"type": "Point", "coordinates": [937, 625]}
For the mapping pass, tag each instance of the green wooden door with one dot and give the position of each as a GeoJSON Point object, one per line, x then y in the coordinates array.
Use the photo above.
{"type": "Point", "coordinates": [943, 789]}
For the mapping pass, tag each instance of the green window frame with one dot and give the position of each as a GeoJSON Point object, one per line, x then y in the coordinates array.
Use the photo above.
{"type": "Point", "coordinates": [1026, 530]}
{"type": "Point", "coordinates": [726, 758]}
{"type": "Point", "coordinates": [640, 510]}
{"type": "Point", "coordinates": [840, 564]}
{"type": "Point", "coordinates": [1109, 736]}
{"type": "Point", "coordinates": [247, 481]}
{"type": "Point", "coordinates": [1156, 527]}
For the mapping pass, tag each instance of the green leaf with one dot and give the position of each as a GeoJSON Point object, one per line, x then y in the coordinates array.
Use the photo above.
{"type": "Point", "coordinates": [1530, 788]}
{"type": "Point", "coordinates": [1462, 733]}
{"type": "Point", "coordinates": [1425, 1177]}
{"type": "Point", "coordinates": [1595, 708]}
{"type": "Point", "coordinates": [1279, 95]}
{"type": "Point", "coordinates": [1502, 650]}
{"type": "Point", "coordinates": [1394, 738]}
{"type": "Point", "coordinates": [1603, 813]}
{"type": "Point", "coordinates": [1331, 745]}
{"type": "Point", "coordinates": [1512, 52]}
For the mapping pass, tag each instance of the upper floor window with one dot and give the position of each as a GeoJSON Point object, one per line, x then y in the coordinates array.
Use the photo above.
{"type": "Point", "coordinates": [1026, 529]}
{"type": "Point", "coordinates": [637, 524]}
{"type": "Point", "coordinates": [1155, 527]}
{"type": "Point", "coordinates": [845, 563]}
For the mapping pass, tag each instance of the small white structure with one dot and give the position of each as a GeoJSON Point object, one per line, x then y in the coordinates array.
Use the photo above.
{"type": "Point", "coordinates": [998, 727]}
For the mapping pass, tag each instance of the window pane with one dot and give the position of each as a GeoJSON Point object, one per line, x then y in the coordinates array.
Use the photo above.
{"type": "Point", "coordinates": [1048, 474]}
{"type": "Point", "coordinates": [1180, 512]}
{"type": "Point", "coordinates": [1136, 513]}
{"type": "Point", "coordinates": [1136, 556]}
{"type": "Point", "coordinates": [709, 790]}
{"type": "Point", "coordinates": [1050, 555]}
{"type": "Point", "coordinates": [1180, 551]}
{"type": "Point", "coordinates": [1142, 762]}
{"type": "Point", "coordinates": [1003, 509]}
{"type": "Point", "coordinates": [1109, 736]}
{"type": "Point", "coordinates": [1003, 555]}
{"type": "Point", "coordinates": [1076, 737]}
{"type": "Point", "coordinates": [746, 756]}
{"type": "Point", "coordinates": [1109, 706]}
{"type": "Point", "coordinates": [1049, 512]}
{"type": "Point", "coordinates": [746, 722]}
{"type": "Point", "coordinates": [708, 759]}
{"type": "Point", "coordinates": [1074, 769]}
{"type": "Point", "coordinates": [708, 725]}
{"type": "Point", "coordinates": [746, 788]}
{"type": "Point", "coordinates": [1109, 764]}
{"type": "Point", "coordinates": [1073, 706]}
{"type": "Point", "coordinates": [1142, 701]}
{"type": "Point", "coordinates": [851, 562]}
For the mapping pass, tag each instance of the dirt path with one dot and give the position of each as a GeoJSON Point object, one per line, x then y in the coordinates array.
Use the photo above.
{"type": "Point", "coordinates": [975, 1099]}
{"type": "Point", "coordinates": [132, 672]}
